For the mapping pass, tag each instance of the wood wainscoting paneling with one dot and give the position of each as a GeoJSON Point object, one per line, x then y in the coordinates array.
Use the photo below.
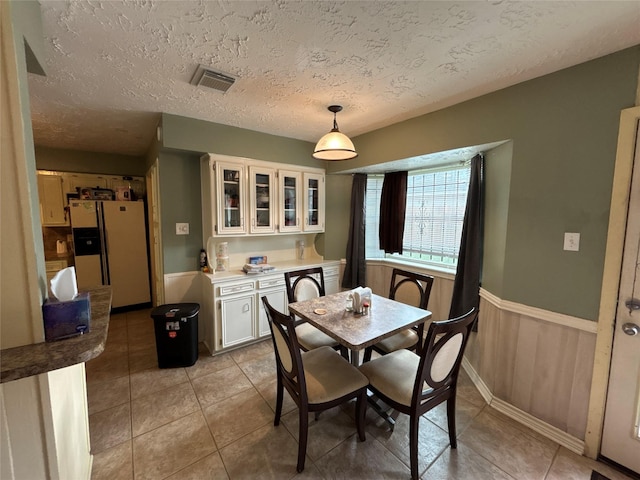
{"type": "Point", "coordinates": [532, 365]}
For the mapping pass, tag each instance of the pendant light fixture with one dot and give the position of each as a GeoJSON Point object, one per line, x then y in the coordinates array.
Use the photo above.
{"type": "Point", "coordinates": [334, 145]}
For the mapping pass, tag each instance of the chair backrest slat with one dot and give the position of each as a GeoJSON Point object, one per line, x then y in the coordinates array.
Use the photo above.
{"type": "Point", "coordinates": [441, 356]}
{"type": "Point", "coordinates": [287, 350]}
{"type": "Point", "coordinates": [407, 287]}
{"type": "Point", "coordinates": [304, 284]}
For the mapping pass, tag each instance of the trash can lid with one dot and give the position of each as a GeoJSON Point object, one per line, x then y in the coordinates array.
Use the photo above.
{"type": "Point", "coordinates": [180, 310]}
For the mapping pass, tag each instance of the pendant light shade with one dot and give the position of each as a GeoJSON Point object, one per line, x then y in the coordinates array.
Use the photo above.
{"type": "Point", "coordinates": [334, 145]}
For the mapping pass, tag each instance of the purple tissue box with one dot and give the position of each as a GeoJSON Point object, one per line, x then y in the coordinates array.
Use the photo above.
{"type": "Point", "coordinates": [66, 319]}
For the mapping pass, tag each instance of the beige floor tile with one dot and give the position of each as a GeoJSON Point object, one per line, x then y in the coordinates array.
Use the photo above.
{"type": "Point", "coordinates": [153, 380]}
{"type": "Point", "coordinates": [521, 455]}
{"type": "Point", "coordinates": [332, 428]}
{"type": "Point", "coordinates": [571, 466]}
{"type": "Point", "coordinates": [172, 447]}
{"type": "Point", "coordinates": [207, 364]}
{"type": "Point", "coordinates": [432, 440]}
{"type": "Point", "coordinates": [162, 407]}
{"type": "Point", "coordinates": [463, 463]}
{"type": "Point", "coordinates": [209, 468]}
{"type": "Point", "coordinates": [220, 385]}
{"type": "Point", "coordinates": [465, 412]}
{"type": "Point", "coordinates": [468, 391]}
{"type": "Point", "coordinates": [107, 394]}
{"type": "Point", "coordinates": [107, 366]}
{"type": "Point", "coordinates": [267, 453]}
{"type": "Point", "coordinates": [260, 369]}
{"type": "Point", "coordinates": [268, 390]}
{"type": "Point", "coordinates": [110, 427]}
{"type": "Point", "coordinates": [358, 460]}
{"type": "Point", "coordinates": [115, 463]}
{"type": "Point", "coordinates": [142, 358]}
{"type": "Point", "coordinates": [236, 416]}
{"type": "Point", "coordinates": [251, 352]}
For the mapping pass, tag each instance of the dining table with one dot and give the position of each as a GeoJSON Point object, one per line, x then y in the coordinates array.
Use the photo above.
{"type": "Point", "coordinates": [354, 330]}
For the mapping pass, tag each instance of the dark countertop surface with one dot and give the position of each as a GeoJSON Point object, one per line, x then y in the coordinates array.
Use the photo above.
{"type": "Point", "coordinates": [37, 358]}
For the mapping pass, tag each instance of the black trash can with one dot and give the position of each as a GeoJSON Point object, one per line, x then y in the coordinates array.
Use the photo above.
{"type": "Point", "coordinates": [176, 327]}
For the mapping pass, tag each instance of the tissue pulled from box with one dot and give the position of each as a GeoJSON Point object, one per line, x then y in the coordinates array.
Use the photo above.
{"type": "Point", "coordinates": [63, 285]}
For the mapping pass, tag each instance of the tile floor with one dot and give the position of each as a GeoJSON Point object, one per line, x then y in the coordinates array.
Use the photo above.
{"type": "Point", "coordinates": [214, 420]}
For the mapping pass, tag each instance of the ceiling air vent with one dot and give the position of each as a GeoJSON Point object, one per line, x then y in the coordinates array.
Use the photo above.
{"type": "Point", "coordinates": [205, 77]}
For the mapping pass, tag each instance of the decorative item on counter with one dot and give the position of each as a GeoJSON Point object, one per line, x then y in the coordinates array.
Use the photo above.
{"type": "Point", "coordinates": [257, 269]}
{"type": "Point", "coordinates": [261, 260]}
{"type": "Point", "coordinates": [300, 249]}
{"type": "Point", "coordinates": [204, 264]}
{"type": "Point", "coordinates": [222, 250]}
{"type": "Point", "coordinates": [222, 264]}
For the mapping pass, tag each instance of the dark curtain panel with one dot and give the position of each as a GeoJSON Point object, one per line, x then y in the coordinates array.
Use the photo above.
{"type": "Point", "coordinates": [466, 288]}
{"type": "Point", "coordinates": [393, 205]}
{"type": "Point", "coordinates": [355, 269]}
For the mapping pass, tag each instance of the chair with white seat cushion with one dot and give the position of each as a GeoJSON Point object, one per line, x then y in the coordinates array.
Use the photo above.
{"type": "Point", "coordinates": [306, 284]}
{"type": "Point", "coordinates": [413, 289]}
{"type": "Point", "coordinates": [316, 380]}
{"type": "Point", "coordinates": [414, 384]}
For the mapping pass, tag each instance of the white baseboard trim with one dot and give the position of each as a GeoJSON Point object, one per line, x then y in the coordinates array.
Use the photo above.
{"type": "Point", "coordinates": [549, 431]}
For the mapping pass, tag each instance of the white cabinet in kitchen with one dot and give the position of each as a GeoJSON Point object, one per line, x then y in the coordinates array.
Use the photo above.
{"type": "Point", "coordinates": [237, 314]}
{"type": "Point", "coordinates": [262, 199]}
{"type": "Point", "coordinates": [74, 181]}
{"type": "Point", "coordinates": [331, 279]}
{"type": "Point", "coordinates": [313, 202]}
{"type": "Point", "coordinates": [52, 201]}
{"type": "Point", "coordinates": [290, 192]}
{"type": "Point", "coordinates": [136, 184]}
{"type": "Point", "coordinates": [273, 287]}
{"type": "Point", "coordinates": [274, 198]}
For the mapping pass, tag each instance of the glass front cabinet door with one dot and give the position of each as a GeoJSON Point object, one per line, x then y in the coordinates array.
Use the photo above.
{"type": "Point", "coordinates": [262, 199]}
{"type": "Point", "coordinates": [291, 201]}
{"type": "Point", "coordinates": [230, 187]}
{"type": "Point", "coordinates": [313, 202]}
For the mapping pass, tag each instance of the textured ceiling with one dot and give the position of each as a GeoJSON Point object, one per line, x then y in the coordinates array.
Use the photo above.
{"type": "Point", "coordinates": [113, 66]}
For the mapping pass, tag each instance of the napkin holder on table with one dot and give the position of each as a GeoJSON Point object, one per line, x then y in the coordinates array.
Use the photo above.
{"type": "Point", "coordinates": [360, 294]}
{"type": "Point", "coordinates": [66, 313]}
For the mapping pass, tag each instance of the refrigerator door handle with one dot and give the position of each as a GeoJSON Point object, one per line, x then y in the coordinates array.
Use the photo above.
{"type": "Point", "coordinates": [104, 255]}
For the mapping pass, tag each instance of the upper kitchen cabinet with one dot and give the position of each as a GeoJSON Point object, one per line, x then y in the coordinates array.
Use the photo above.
{"type": "Point", "coordinates": [262, 195]}
{"type": "Point", "coordinates": [290, 191]}
{"type": "Point", "coordinates": [74, 181]}
{"type": "Point", "coordinates": [52, 200]}
{"type": "Point", "coordinates": [313, 202]}
{"type": "Point", "coordinates": [274, 198]}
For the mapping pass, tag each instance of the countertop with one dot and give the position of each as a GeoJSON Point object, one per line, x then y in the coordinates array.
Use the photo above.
{"type": "Point", "coordinates": [280, 267]}
{"type": "Point", "coordinates": [37, 358]}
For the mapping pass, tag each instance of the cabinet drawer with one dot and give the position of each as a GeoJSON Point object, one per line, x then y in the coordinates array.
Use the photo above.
{"type": "Point", "coordinates": [328, 271]}
{"type": "Point", "coordinates": [271, 282]}
{"type": "Point", "coordinates": [235, 288]}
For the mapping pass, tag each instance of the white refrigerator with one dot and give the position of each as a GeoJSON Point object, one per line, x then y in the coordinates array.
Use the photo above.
{"type": "Point", "coordinates": [110, 248]}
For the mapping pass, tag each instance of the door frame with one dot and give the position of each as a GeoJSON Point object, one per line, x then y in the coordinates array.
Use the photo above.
{"type": "Point", "coordinates": [155, 238]}
{"type": "Point", "coordinates": [629, 119]}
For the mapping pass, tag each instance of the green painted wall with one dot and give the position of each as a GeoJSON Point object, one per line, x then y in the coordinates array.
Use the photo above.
{"type": "Point", "coordinates": [564, 130]}
{"type": "Point", "coordinates": [89, 162]}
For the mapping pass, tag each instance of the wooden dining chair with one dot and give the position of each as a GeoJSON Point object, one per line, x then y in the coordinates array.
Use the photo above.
{"type": "Point", "coordinates": [307, 284]}
{"type": "Point", "coordinates": [414, 384]}
{"type": "Point", "coordinates": [414, 289]}
{"type": "Point", "coordinates": [316, 380]}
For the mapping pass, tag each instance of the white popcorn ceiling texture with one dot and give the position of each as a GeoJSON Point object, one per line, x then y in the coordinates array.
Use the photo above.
{"type": "Point", "coordinates": [113, 66]}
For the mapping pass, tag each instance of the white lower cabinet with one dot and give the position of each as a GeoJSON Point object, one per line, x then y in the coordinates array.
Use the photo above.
{"type": "Point", "coordinates": [232, 309]}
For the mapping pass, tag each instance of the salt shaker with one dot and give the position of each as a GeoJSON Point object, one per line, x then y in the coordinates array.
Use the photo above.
{"type": "Point", "coordinates": [365, 308]}
{"type": "Point", "coordinates": [349, 304]}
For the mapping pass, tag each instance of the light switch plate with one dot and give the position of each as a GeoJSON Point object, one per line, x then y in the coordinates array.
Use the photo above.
{"type": "Point", "coordinates": [182, 229]}
{"type": "Point", "coordinates": [572, 241]}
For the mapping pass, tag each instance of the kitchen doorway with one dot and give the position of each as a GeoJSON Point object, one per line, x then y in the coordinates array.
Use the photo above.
{"type": "Point", "coordinates": [155, 239]}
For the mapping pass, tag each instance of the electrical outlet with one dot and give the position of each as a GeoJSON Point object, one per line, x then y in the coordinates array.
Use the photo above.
{"type": "Point", "coordinates": [182, 229]}
{"type": "Point", "coordinates": [572, 241]}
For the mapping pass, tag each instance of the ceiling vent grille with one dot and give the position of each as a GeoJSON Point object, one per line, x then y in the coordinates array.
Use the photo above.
{"type": "Point", "coordinates": [205, 77]}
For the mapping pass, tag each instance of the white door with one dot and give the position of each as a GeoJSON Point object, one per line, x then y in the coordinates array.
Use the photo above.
{"type": "Point", "coordinates": [621, 433]}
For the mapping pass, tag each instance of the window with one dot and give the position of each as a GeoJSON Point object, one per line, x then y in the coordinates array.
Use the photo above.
{"type": "Point", "coordinates": [436, 201]}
